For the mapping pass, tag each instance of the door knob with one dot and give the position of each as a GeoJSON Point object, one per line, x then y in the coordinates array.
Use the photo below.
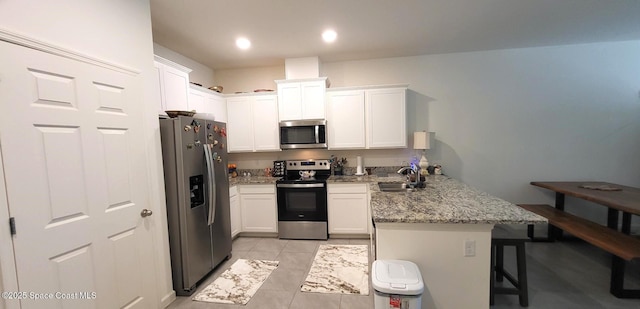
{"type": "Point", "coordinates": [146, 213]}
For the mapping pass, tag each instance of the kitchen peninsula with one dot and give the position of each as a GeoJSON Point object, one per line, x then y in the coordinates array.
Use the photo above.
{"type": "Point", "coordinates": [445, 229]}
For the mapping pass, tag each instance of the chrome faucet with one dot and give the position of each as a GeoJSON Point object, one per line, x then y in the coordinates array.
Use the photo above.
{"type": "Point", "coordinates": [412, 169]}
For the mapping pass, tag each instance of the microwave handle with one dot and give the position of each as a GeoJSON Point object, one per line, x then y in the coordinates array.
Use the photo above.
{"type": "Point", "coordinates": [317, 134]}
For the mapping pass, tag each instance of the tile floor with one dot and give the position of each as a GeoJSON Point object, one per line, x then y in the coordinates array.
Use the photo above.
{"type": "Point", "coordinates": [567, 274]}
{"type": "Point", "coordinates": [282, 288]}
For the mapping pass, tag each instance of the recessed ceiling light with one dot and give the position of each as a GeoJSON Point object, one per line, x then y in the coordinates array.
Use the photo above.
{"type": "Point", "coordinates": [329, 36]}
{"type": "Point", "coordinates": [243, 43]}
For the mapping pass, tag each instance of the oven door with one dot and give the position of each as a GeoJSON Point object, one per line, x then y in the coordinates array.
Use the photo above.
{"type": "Point", "coordinates": [302, 202]}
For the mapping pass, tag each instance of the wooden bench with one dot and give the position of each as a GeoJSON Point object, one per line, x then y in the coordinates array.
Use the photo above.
{"type": "Point", "coordinates": [617, 243]}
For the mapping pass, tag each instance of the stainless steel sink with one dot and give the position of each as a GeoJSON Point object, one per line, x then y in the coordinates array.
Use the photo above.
{"type": "Point", "coordinates": [394, 187]}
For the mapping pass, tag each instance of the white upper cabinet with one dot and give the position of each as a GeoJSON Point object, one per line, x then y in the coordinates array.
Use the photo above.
{"type": "Point", "coordinates": [206, 101]}
{"type": "Point", "coordinates": [367, 118]}
{"type": "Point", "coordinates": [386, 116]}
{"type": "Point", "coordinates": [301, 99]}
{"type": "Point", "coordinates": [174, 85]}
{"type": "Point", "coordinates": [240, 126]}
{"type": "Point", "coordinates": [252, 123]}
{"type": "Point", "coordinates": [266, 135]}
{"type": "Point", "coordinates": [346, 119]}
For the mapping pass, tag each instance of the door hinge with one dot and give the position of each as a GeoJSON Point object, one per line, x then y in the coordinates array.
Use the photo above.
{"type": "Point", "coordinates": [12, 225]}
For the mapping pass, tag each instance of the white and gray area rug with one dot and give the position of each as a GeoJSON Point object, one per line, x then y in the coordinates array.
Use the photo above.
{"type": "Point", "coordinates": [239, 283]}
{"type": "Point", "coordinates": [341, 269]}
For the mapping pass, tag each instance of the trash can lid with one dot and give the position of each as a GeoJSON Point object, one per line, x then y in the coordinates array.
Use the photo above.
{"type": "Point", "coordinates": [396, 277]}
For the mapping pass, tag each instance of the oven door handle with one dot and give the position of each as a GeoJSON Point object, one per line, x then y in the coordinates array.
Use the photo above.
{"type": "Point", "coordinates": [301, 185]}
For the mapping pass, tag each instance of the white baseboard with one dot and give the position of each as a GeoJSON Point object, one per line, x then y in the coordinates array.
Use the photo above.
{"type": "Point", "coordinates": [168, 299]}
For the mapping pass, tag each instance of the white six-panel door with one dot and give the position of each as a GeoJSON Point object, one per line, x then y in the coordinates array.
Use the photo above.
{"type": "Point", "coordinates": [71, 138]}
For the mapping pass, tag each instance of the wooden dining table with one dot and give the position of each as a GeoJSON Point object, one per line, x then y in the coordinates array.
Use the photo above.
{"type": "Point", "coordinates": [618, 199]}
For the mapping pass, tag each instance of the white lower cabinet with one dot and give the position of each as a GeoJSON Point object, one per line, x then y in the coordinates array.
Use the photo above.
{"type": "Point", "coordinates": [236, 215]}
{"type": "Point", "coordinates": [258, 208]}
{"type": "Point", "coordinates": [348, 208]}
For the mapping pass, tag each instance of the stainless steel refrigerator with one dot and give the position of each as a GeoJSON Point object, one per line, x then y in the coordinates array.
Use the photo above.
{"type": "Point", "coordinates": [197, 192]}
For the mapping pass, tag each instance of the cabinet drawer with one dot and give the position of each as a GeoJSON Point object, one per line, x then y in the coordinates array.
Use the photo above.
{"type": "Point", "coordinates": [347, 188]}
{"type": "Point", "coordinates": [257, 189]}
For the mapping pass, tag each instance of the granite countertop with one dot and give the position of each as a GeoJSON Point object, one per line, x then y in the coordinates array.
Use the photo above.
{"type": "Point", "coordinates": [252, 180]}
{"type": "Point", "coordinates": [446, 200]}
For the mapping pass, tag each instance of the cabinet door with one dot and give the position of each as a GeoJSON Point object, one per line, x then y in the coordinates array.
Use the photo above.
{"type": "Point", "coordinates": [240, 125]}
{"type": "Point", "coordinates": [176, 88]}
{"type": "Point", "coordinates": [348, 213]}
{"type": "Point", "coordinates": [259, 213]}
{"type": "Point", "coordinates": [236, 218]}
{"type": "Point", "coordinates": [218, 107]}
{"type": "Point", "coordinates": [162, 105]}
{"type": "Point", "coordinates": [386, 118]}
{"type": "Point", "coordinates": [265, 123]}
{"type": "Point", "coordinates": [312, 100]}
{"type": "Point", "coordinates": [289, 101]}
{"type": "Point", "coordinates": [197, 101]}
{"type": "Point", "coordinates": [345, 119]}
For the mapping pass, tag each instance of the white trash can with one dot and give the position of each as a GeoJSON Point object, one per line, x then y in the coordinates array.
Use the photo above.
{"type": "Point", "coordinates": [396, 284]}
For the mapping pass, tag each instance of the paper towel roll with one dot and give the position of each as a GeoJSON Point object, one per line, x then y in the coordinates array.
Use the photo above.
{"type": "Point", "coordinates": [359, 169]}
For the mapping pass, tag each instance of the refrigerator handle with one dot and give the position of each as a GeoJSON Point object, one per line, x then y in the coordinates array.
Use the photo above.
{"type": "Point", "coordinates": [212, 183]}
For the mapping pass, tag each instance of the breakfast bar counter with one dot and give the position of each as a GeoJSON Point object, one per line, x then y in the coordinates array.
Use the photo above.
{"type": "Point", "coordinates": [446, 200]}
{"type": "Point", "coordinates": [445, 229]}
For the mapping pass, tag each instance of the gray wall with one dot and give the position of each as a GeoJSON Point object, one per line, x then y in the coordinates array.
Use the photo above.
{"type": "Point", "coordinates": [507, 117]}
{"type": "Point", "coordinates": [504, 118]}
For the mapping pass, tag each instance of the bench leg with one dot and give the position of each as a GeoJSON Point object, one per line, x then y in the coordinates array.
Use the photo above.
{"type": "Point", "coordinates": [612, 219]}
{"type": "Point", "coordinates": [522, 275]}
{"type": "Point", "coordinates": [617, 280]}
{"type": "Point", "coordinates": [499, 263]}
{"type": "Point", "coordinates": [531, 231]}
{"type": "Point", "coordinates": [492, 276]}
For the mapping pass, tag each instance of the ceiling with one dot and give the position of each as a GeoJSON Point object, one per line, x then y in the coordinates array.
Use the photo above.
{"type": "Point", "coordinates": [206, 30]}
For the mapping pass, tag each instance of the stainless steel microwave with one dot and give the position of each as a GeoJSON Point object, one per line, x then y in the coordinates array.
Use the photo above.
{"type": "Point", "coordinates": [303, 134]}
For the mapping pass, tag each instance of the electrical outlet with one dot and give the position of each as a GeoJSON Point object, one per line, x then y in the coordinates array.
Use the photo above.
{"type": "Point", "coordinates": [469, 247]}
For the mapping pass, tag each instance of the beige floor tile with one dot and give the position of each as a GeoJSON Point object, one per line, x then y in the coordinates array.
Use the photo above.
{"type": "Point", "coordinates": [357, 301]}
{"type": "Point", "coordinates": [302, 246]}
{"type": "Point", "coordinates": [262, 255]}
{"type": "Point", "coordinates": [304, 300]}
{"type": "Point", "coordinates": [359, 241]}
{"type": "Point", "coordinates": [284, 279]}
{"type": "Point", "coordinates": [244, 243]}
{"type": "Point", "coordinates": [295, 260]}
{"type": "Point", "coordinates": [271, 299]}
{"type": "Point", "coordinates": [270, 244]}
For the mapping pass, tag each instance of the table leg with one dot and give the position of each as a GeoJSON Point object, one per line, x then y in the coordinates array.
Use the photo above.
{"type": "Point", "coordinates": [555, 233]}
{"type": "Point", "coordinates": [626, 223]}
{"type": "Point", "coordinates": [612, 218]}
